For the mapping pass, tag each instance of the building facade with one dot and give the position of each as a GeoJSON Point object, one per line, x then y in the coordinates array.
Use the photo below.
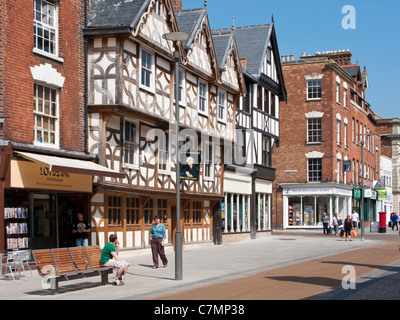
{"type": "Point", "coordinates": [328, 132]}
{"type": "Point", "coordinates": [43, 183]}
{"type": "Point", "coordinates": [389, 129]}
{"type": "Point", "coordinates": [132, 116]}
{"type": "Point", "coordinates": [247, 207]}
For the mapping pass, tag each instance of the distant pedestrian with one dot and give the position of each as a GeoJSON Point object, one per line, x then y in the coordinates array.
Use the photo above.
{"type": "Point", "coordinates": [335, 223]}
{"type": "Point", "coordinates": [395, 220]}
{"type": "Point", "coordinates": [355, 219]}
{"type": "Point", "coordinates": [325, 222]}
{"type": "Point", "coordinates": [348, 227]}
{"type": "Point", "coordinates": [81, 229]}
{"type": "Point", "coordinates": [158, 236]}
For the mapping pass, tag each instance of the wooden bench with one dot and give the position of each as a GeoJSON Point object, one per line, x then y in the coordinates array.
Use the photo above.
{"type": "Point", "coordinates": [65, 264]}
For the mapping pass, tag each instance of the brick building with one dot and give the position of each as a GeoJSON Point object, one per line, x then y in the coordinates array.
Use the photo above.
{"type": "Point", "coordinates": [324, 123]}
{"type": "Point", "coordinates": [389, 129]}
{"type": "Point", "coordinates": [42, 125]}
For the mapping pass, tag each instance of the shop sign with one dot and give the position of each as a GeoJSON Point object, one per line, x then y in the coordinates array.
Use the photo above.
{"type": "Point", "coordinates": [382, 194]}
{"type": "Point", "coordinates": [357, 193]}
{"type": "Point", "coordinates": [31, 175]}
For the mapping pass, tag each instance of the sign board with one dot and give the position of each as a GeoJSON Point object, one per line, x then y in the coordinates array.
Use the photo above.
{"type": "Point", "coordinates": [31, 175]}
{"type": "Point", "coordinates": [382, 194]}
{"type": "Point", "coordinates": [189, 165]}
{"type": "Point", "coordinates": [375, 227]}
{"type": "Point", "coordinates": [347, 166]}
{"type": "Point", "coordinates": [357, 193]}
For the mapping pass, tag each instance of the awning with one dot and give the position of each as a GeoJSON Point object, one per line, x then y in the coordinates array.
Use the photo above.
{"type": "Point", "coordinates": [71, 165]}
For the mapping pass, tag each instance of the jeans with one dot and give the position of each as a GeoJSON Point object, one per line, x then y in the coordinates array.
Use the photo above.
{"type": "Point", "coordinates": [81, 242]}
{"type": "Point", "coordinates": [326, 228]}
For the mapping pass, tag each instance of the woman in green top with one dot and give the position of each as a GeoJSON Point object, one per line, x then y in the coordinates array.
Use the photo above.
{"type": "Point", "coordinates": [158, 235]}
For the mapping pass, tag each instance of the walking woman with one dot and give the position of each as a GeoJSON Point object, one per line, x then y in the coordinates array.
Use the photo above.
{"type": "Point", "coordinates": [348, 226]}
{"type": "Point", "coordinates": [158, 236]}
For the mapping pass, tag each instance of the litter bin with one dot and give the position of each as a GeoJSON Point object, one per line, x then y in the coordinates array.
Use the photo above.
{"type": "Point", "coordinates": [382, 222]}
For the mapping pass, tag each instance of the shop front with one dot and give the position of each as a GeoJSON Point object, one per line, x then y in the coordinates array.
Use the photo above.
{"type": "Point", "coordinates": [304, 205]}
{"type": "Point", "coordinates": [41, 196]}
{"type": "Point", "coordinates": [370, 203]}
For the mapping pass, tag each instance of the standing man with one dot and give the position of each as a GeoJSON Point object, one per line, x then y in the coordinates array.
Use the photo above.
{"type": "Point", "coordinates": [325, 221]}
{"type": "Point", "coordinates": [81, 228]}
{"type": "Point", "coordinates": [355, 220]}
{"type": "Point", "coordinates": [110, 258]}
{"type": "Point", "coordinates": [395, 220]}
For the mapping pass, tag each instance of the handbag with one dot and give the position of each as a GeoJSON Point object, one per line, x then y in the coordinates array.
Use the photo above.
{"type": "Point", "coordinates": [353, 234]}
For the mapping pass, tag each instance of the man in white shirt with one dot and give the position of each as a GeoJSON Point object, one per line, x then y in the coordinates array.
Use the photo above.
{"type": "Point", "coordinates": [355, 219]}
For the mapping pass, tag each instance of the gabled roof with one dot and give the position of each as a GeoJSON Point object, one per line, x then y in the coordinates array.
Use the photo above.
{"type": "Point", "coordinates": [189, 22]}
{"type": "Point", "coordinates": [112, 13]}
{"type": "Point", "coordinates": [252, 43]}
{"type": "Point", "coordinates": [223, 44]}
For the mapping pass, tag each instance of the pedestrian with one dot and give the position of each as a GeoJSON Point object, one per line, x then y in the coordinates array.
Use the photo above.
{"type": "Point", "coordinates": [355, 219]}
{"type": "Point", "coordinates": [395, 220]}
{"type": "Point", "coordinates": [110, 258]}
{"type": "Point", "coordinates": [348, 227]}
{"type": "Point", "coordinates": [81, 228]}
{"type": "Point", "coordinates": [335, 223]}
{"type": "Point", "coordinates": [325, 221]}
{"type": "Point", "coordinates": [158, 236]}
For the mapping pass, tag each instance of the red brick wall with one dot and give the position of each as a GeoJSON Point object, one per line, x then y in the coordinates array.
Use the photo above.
{"type": "Point", "coordinates": [290, 154]}
{"type": "Point", "coordinates": [177, 5]}
{"type": "Point", "coordinates": [17, 57]}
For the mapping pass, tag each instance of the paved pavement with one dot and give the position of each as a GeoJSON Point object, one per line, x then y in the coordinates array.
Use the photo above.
{"type": "Point", "coordinates": [285, 266]}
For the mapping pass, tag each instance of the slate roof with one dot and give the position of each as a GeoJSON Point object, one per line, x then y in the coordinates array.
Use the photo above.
{"type": "Point", "coordinates": [113, 13]}
{"type": "Point", "coordinates": [354, 71]}
{"type": "Point", "coordinates": [252, 44]}
{"type": "Point", "coordinates": [222, 44]}
{"type": "Point", "coordinates": [189, 21]}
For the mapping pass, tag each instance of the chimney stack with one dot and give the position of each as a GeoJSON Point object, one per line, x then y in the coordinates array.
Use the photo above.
{"type": "Point", "coordinates": [243, 61]}
{"type": "Point", "coordinates": [177, 5]}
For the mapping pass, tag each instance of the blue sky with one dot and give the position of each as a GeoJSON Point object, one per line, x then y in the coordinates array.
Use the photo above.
{"type": "Point", "coordinates": [316, 25]}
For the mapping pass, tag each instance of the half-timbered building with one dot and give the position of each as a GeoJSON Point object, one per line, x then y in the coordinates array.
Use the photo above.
{"type": "Point", "coordinates": [247, 206]}
{"type": "Point", "coordinates": [131, 116]}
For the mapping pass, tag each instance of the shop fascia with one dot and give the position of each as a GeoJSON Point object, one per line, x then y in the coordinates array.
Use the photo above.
{"type": "Point", "coordinates": [296, 190]}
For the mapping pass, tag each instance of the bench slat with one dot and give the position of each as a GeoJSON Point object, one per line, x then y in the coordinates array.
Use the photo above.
{"type": "Point", "coordinates": [63, 260]}
{"type": "Point", "coordinates": [80, 258]}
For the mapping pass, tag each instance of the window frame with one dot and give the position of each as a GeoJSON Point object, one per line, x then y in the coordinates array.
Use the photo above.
{"type": "Point", "coordinates": [224, 106]}
{"type": "Point", "coordinates": [266, 154]}
{"type": "Point", "coordinates": [316, 130]}
{"type": "Point", "coordinates": [203, 98]}
{"type": "Point", "coordinates": [313, 173]}
{"type": "Point", "coordinates": [136, 152]}
{"type": "Point", "coordinates": [55, 28]}
{"type": "Point", "coordinates": [42, 114]}
{"type": "Point", "coordinates": [167, 163]}
{"type": "Point", "coordinates": [150, 70]}
{"type": "Point", "coordinates": [208, 160]}
{"type": "Point", "coordinates": [315, 89]}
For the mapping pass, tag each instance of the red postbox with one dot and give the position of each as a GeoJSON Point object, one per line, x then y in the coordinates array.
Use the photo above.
{"type": "Point", "coordinates": [382, 222]}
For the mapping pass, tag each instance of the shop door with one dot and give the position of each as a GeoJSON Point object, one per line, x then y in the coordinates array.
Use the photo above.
{"type": "Point", "coordinates": [44, 222]}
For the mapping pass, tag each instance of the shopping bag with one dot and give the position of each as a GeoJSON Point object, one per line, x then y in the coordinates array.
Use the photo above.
{"type": "Point", "coordinates": [342, 235]}
{"type": "Point", "coordinates": [353, 234]}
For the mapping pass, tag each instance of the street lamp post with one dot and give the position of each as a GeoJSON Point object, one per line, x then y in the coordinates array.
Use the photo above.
{"type": "Point", "coordinates": [175, 37]}
{"type": "Point", "coordinates": [362, 222]}
{"type": "Point", "coordinates": [362, 194]}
